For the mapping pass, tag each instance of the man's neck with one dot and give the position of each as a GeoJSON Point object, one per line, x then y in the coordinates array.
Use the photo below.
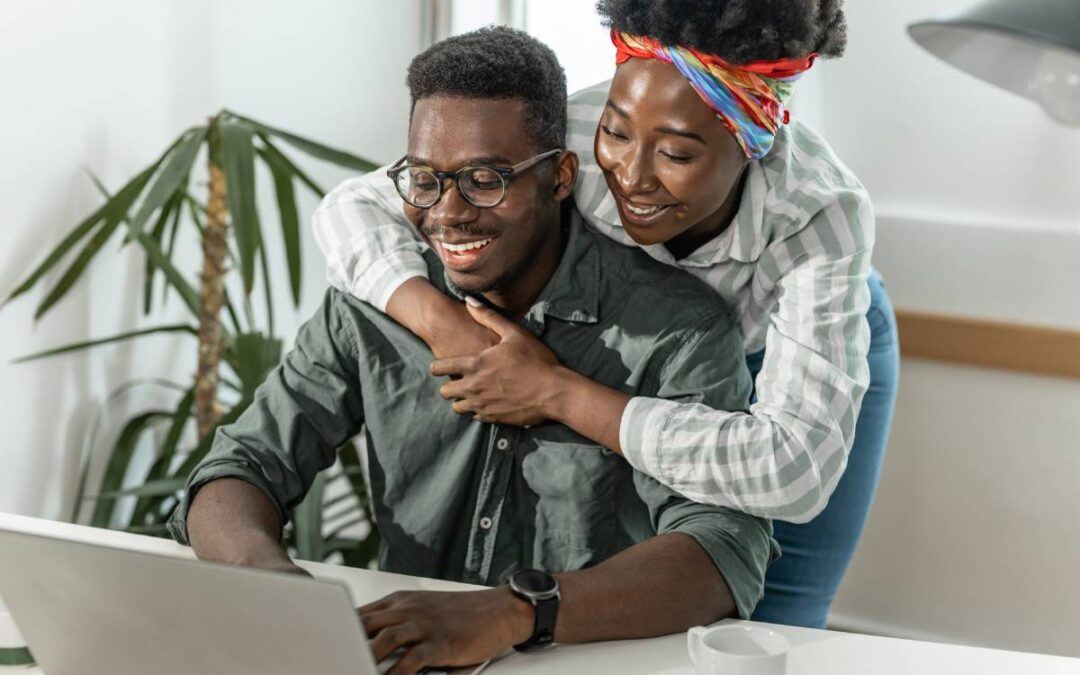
{"type": "Point", "coordinates": [521, 294]}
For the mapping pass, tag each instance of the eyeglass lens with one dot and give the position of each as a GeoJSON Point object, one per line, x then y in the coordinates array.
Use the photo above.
{"type": "Point", "coordinates": [421, 187]}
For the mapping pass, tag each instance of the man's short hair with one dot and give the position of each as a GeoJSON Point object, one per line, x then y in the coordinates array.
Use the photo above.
{"type": "Point", "coordinates": [498, 63]}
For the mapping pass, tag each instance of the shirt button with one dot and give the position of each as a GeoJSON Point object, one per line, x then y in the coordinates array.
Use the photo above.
{"type": "Point", "coordinates": [485, 523]}
{"type": "Point", "coordinates": [502, 444]}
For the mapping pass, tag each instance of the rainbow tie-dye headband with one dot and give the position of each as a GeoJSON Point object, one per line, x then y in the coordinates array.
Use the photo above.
{"type": "Point", "coordinates": [749, 99]}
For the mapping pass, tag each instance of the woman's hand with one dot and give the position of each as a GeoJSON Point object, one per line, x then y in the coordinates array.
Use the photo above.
{"type": "Point", "coordinates": [513, 382]}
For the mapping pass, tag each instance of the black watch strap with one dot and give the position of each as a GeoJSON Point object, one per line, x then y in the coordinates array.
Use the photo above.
{"type": "Point", "coordinates": [540, 590]}
{"type": "Point", "coordinates": [544, 628]}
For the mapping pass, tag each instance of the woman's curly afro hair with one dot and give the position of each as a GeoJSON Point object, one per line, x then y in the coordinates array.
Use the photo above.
{"type": "Point", "coordinates": [738, 31]}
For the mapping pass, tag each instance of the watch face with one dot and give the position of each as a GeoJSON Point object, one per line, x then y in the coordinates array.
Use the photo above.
{"type": "Point", "coordinates": [534, 581]}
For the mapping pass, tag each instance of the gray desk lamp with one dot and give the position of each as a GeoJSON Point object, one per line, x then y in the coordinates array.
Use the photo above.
{"type": "Point", "coordinates": [1029, 47]}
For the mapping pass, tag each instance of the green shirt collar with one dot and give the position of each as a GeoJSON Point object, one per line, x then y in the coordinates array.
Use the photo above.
{"type": "Point", "coordinates": [573, 292]}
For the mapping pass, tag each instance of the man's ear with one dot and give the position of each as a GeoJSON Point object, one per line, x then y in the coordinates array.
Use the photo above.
{"type": "Point", "coordinates": [566, 170]}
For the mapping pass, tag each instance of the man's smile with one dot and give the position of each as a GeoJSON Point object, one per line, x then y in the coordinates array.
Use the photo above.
{"type": "Point", "coordinates": [462, 255]}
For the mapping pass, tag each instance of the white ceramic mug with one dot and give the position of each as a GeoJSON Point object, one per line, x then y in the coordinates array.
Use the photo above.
{"type": "Point", "coordinates": [737, 650]}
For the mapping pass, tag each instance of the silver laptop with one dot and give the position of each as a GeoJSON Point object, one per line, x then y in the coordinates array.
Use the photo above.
{"type": "Point", "coordinates": [86, 609]}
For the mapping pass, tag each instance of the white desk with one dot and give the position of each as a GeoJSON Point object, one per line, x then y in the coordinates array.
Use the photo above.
{"type": "Point", "coordinates": [814, 652]}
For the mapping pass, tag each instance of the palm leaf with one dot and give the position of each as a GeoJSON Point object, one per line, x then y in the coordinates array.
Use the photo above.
{"type": "Point", "coordinates": [114, 214]}
{"type": "Point", "coordinates": [87, 452]}
{"type": "Point", "coordinates": [290, 218]}
{"type": "Point", "coordinates": [155, 255]}
{"type": "Point", "coordinates": [340, 499]}
{"type": "Point", "coordinates": [158, 235]}
{"type": "Point", "coordinates": [158, 488]}
{"type": "Point", "coordinates": [323, 152]}
{"type": "Point", "coordinates": [160, 467]}
{"type": "Point", "coordinates": [117, 467]}
{"type": "Point", "coordinates": [238, 162]}
{"type": "Point", "coordinates": [268, 292]}
{"type": "Point", "coordinates": [174, 173]}
{"type": "Point", "coordinates": [174, 230]}
{"type": "Point", "coordinates": [198, 453]}
{"type": "Point", "coordinates": [366, 552]}
{"type": "Point", "coordinates": [307, 520]}
{"type": "Point", "coordinates": [80, 346]}
{"type": "Point", "coordinates": [196, 209]}
{"type": "Point", "coordinates": [281, 157]}
{"type": "Point", "coordinates": [352, 522]}
{"type": "Point", "coordinates": [232, 313]}
{"type": "Point", "coordinates": [253, 356]}
{"type": "Point", "coordinates": [205, 443]}
{"type": "Point", "coordinates": [353, 468]}
{"type": "Point", "coordinates": [81, 231]}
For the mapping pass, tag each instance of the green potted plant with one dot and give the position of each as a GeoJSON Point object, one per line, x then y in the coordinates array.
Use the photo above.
{"type": "Point", "coordinates": [234, 353]}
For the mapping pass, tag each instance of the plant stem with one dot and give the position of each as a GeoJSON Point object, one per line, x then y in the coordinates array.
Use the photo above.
{"type": "Point", "coordinates": [215, 250]}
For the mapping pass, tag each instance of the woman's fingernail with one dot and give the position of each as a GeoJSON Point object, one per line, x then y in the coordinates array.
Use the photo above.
{"type": "Point", "coordinates": [470, 300]}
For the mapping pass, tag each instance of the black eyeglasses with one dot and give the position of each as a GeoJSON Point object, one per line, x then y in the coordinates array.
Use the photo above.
{"type": "Point", "coordinates": [481, 186]}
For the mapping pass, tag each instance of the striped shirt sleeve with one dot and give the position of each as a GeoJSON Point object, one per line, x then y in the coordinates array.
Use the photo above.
{"type": "Point", "coordinates": [783, 459]}
{"type": "Point", "coordinates": [369, 245]}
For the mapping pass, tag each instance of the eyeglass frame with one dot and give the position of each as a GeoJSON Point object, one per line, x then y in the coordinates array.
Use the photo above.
{"type": "Point", "coordinates": [504, 173]}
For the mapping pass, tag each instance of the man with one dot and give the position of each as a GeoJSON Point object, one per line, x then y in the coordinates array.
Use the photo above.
{"type": "Point", "coordinates": [486, 181]}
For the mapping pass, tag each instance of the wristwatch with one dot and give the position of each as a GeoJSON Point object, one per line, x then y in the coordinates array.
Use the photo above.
{"type": "Point", "coordinates": [540, 590]}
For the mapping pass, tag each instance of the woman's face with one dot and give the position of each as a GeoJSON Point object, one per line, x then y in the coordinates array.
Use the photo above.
{"type": "Point", "coordinates": [672, 166]}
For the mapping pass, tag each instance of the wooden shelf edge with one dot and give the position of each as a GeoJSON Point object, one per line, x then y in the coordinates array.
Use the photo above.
{"type": "Point", "coordinates": [994, 344]}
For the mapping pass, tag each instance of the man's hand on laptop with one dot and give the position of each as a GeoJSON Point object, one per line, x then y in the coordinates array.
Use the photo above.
{"type": "Point", "coordinates": [446, 628]}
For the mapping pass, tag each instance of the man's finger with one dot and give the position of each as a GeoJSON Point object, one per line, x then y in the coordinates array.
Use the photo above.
{"type": "Point", "coordinates": [490, 319]}
{"type": "Point", "coordinates": [393, 638]}
{"type": "Point", "coordinates": [453, 365]}
{"type": "Point", "coordinates": [412, 660]}
{"type": "Point", "coordinates": [379, 605]}
{"type": "Point", "coordinates": [378, 620]}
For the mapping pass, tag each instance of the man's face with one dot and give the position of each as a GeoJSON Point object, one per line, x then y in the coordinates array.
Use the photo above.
{"type": "Point", "coordinates": [447, 134]}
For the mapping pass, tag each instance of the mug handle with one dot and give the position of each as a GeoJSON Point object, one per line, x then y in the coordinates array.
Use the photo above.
{"type": "Point", "coordinates": [693, 642]}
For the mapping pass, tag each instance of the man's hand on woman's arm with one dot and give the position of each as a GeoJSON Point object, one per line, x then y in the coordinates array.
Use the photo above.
{"type": "Point", "coordinates": [232, 521]}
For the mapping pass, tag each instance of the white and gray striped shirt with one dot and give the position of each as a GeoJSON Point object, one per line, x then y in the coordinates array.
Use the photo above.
{"type": "Point", "coordinates": [793, 266]}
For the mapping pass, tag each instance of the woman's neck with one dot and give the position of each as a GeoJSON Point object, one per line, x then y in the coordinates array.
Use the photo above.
{"type": "Point", "coordinates": [711, 227]}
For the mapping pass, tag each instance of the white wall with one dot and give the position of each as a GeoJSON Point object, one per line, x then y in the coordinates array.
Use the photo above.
{"type": "Point", "coordinates": [106, 85]}
{"type": "Point", "coordinates": [585, 51]}
{"type": "Point", "coordinates": [975, 535]}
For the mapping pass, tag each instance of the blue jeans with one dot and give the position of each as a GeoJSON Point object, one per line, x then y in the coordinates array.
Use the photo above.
{"type": "Point", "coordinates": [801, 585]}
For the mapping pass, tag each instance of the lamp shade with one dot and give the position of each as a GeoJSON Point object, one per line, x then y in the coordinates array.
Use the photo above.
{"type": "Point", "coordinates": [1029, 47]}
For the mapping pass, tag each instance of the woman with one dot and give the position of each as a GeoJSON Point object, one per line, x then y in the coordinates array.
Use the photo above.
{"type": "Point", "coordinates": [687, 153]}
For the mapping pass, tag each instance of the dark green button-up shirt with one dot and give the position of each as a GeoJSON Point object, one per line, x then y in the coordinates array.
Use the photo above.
{"type": "Point", "coordinates": [462, 500]}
